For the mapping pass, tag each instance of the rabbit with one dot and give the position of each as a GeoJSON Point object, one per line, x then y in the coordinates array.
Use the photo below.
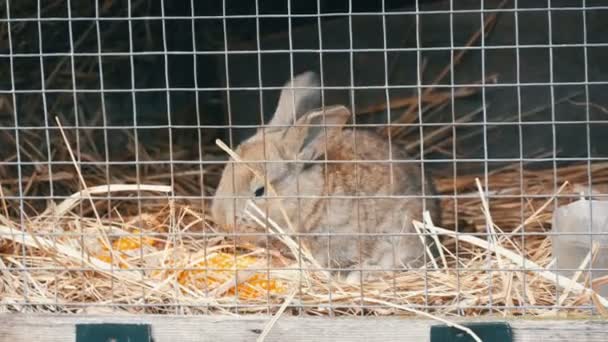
{"type": "Point", "coordinates": [332, 187]}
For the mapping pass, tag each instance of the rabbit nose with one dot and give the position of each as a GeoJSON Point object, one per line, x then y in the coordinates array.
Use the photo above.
{"type": "Point", "coordinates": [222, 211]}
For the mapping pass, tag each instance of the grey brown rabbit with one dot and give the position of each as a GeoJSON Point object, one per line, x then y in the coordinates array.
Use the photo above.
{"type": "Point", "coordinates": [327, 191]}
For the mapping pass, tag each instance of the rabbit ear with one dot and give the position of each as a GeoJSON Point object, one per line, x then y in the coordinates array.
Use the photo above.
{"type": "Point", "coordinates": [294, 102]}
{"type": "Point", "coordinates": [309, 142]}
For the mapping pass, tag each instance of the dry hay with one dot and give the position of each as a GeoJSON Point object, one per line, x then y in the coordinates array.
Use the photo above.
{"type": "Point", "coordinates": [131, 246]}
{"type": "Point", "coordinates": [157, 255]}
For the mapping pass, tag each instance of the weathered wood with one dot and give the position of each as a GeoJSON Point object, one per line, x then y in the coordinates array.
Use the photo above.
{"type": "Point", "coordinates": [55, 328]}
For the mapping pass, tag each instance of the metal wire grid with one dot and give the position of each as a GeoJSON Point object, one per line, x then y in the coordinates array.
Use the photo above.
{"type": "Point", "coordinates": [175, 164]}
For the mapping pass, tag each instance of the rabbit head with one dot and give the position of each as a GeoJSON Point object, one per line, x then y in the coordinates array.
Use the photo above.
{"type": "Point", "coordinates": [294, 133]}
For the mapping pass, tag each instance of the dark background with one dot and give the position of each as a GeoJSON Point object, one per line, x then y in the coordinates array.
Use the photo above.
{"type": "Point", "coordinates": [552, 116]}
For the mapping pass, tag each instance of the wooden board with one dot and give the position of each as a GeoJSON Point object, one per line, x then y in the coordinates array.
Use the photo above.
{"type": "Point", "coordinates": [55, 328]}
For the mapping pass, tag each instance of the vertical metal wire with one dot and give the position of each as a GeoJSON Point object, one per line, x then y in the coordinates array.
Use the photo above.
{"type": "Point", "coordinates": [263, 132]}
{"type": "Point", "coordinates": [75, 101]}
{"type": "Point", "coordinates": [49, 163]}
{"type": "Point", "coordinates": [454, 151]}
{"type": "Point", "coordinates": [47, 130]}
{"type": "Point", "coordinates": [135, 128]}
{"type": "Point", "coordinates": [521, 148]}
{"type": "Point", "coordinates": [295, 122]}
{"type": "Point", "coordinates": [552, 104]}
{"type": "Point", "coordinates": [421, 134]}
{"type": "Point", "coordinates": [355, 166]}
{"type": "Point", "coordinates": [489, 229]}
{"type": "Point", "coordinates": [104, 118]}
{"type": "Point", "coordinates": [588, 140]}
{"type": "Point", "coordinates": [389, 120]}
{"type": "Point", "coordinates": [329, 229]}
{"type": "Point", "coordinates": [23, 269]}
{"type": "Point", "coordinates": [200, 143]}
{"type": "Point", "coordinates": [172, 224]}
{"type": "Point", "coordinates": [230, 141]}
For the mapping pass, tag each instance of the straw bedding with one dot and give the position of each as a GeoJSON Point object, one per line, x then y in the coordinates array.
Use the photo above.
{"type": "Point", "coordinates": [86, 254]}
{"type": "Point", "coordinates": [113, 238]}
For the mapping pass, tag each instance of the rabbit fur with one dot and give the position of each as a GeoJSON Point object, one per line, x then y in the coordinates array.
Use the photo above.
{"type": "Point", "coordinates": [326, 191]}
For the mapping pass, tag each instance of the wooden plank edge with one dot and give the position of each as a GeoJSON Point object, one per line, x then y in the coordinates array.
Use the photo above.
{"type": "Point", "coordinates": [166, 328]}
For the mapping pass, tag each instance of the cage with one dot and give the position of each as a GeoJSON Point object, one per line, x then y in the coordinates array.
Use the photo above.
{"type": "Point", "coordinates": [344, 170]}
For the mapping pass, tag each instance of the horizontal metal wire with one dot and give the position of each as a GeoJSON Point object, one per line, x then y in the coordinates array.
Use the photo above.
{"type": "Point", "coordinates": [295, 197]}
{"type": "Point", "coordinates": [464, 161]}
{"type": "Point", "coordinates": [295, 51]}
{"type": "Point", "coordinates": [347, 126]}
{"type": "Point", "coordinates": [288, 269]}
{"type": "Point", "coordinates": [296, 304]}
{"type": "Point", "coordinates": [352, 87]}
{"type": "Point", "coordinates": [315, 15]}
{"type": "Point", "coordinates": [231, 233]}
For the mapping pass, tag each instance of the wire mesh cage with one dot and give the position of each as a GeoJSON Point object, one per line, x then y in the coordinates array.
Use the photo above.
{"type": "Point", "coordinates": [313, 158]}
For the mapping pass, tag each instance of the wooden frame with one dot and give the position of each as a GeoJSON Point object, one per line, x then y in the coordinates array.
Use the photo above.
{"type": "Point", "coordinates": [165, 328]}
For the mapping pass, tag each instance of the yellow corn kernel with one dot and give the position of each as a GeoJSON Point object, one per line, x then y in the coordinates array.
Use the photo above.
{"type": "Point", "coordinates": [257, 286]}
{"type": "Point", "coordinates": [219, 268]}
{"type": "Point", "coordinates": [128, 243]}
{"type": "Point", "coordinates": [108, 259]}
{"type": "Point", "coordinates": [105, 258]}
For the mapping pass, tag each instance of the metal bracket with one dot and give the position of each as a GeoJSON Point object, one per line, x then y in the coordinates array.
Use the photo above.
{"type": "Point", "coordinates": [113, 333]}
{"type": "Point", "coordinates": [491, 332]}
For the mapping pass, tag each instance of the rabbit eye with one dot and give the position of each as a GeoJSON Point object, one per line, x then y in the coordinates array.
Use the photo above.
{"type": "Point", "coordinates": [259, 191]}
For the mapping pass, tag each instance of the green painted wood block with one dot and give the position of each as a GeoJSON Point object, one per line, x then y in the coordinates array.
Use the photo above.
{"type": "Point", "coordinates": [491, 332]}
{"type": "Point", "coordinates": [113, 333]}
